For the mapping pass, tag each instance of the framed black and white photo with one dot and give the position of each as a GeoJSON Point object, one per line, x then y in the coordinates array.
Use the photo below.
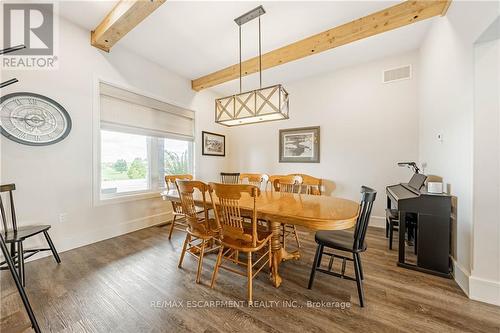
{"type": "Point", "coordinates": [213, 144]}
{"type": "Point", "coordinates": [299, 145]}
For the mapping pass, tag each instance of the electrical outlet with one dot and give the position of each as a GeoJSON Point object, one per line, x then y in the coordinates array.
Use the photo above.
{"type": "Point", "coordinates": [63, 217]}
{"type": "Point", "coordinates": [439, 137]}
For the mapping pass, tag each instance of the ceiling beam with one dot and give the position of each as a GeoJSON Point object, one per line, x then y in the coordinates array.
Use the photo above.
{"type": "Point", "coordinates": [390, 18]}
{"type": "Point", "coordinates": [445, 9]}
{"type": "Point", "coordinates": [124, 17]}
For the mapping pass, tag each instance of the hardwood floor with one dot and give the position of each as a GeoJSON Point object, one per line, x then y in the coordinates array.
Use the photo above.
{"type": "Point", "coordinates": [131, 283]}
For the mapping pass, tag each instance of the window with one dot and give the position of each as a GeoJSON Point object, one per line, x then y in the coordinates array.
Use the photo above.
{"type": "Point", "coordinates": [127, 162]}
{"type": "Point", "coordinates": [140, 142]}
{"type": "Point", "coordinates": [177, 157]}
{"type": "Point", "coordinates": [124, 162]}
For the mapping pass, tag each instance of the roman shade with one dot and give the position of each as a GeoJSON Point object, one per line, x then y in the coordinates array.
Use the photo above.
{"type": "Point", "coordinates": [132, 112]}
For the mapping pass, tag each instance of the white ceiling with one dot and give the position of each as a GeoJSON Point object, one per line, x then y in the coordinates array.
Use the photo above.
{"type": "Point", "coordinates": [197, 38]}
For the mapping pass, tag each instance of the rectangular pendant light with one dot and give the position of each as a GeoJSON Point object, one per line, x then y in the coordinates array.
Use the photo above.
{"type": "Point", "coordinates": [264, 104]}
{"type": "Point", "coordinates": [255, 106]}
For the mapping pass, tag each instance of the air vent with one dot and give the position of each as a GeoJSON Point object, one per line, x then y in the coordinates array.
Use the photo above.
{"type": "Point", "coordinates": [397, 74]}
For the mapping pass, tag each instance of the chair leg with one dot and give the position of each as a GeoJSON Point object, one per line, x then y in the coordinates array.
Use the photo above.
{"type": "Point", "coordinates": [321, 255]}
{"type": "Point", "coordinates": [330, 263]}
{"type": "Point", "coordinates": [186, 241]}
{"type": "Point", "coordinates": [360, 266]}
{"type": "Point", "coordinates": [250, 277]}
{"type": "Point", "coordinates": [296, 236]}
{"type": "Point", "coordinates": [316, 263]}
{"type": "Point", "coordinates": [20, 289]}
{"type": "Point", "coordinates": [387, 224]}
{"type": "Point", "coordinates": [12, 250]}
{"type": "Point", "coordinates": [359, 282]}
{"type": "Point", "coordinates": [391, 234]}
{"type": "Point", "coordinates": [20, 261]}
{"type": "Point", "coordinates": [216, 267]}
{"type": "Point", "coordinates": [200, 262]}
{"type": "Point", "coordinates": [52, 247]}
{"type": "Point", "coordinates": [172, 225]}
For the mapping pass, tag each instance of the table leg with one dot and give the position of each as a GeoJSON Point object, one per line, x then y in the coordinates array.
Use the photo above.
{"type": "Point", "coordinates": [279, 253]}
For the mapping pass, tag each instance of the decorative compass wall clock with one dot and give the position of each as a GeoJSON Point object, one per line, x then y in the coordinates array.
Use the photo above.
{"type": "Point", "coordinates": [33, 119]}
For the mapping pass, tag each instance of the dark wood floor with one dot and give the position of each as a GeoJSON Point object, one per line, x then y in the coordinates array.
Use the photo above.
{"type": "Point", "coordinates": [110, 287]}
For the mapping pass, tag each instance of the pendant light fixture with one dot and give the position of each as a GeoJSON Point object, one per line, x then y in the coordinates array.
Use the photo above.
{"type": "Point", "coordinates": [259, 105]}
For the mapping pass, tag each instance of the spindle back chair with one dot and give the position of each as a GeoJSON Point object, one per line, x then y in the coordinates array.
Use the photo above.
{"type": "Point", "coordinates": [237, 236]}
{"type": "Point", "coordinates": [201, 231]}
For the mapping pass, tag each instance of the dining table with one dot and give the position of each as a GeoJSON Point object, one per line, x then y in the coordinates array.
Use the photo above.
{"type": "Point", "coordinates": [315, 212]}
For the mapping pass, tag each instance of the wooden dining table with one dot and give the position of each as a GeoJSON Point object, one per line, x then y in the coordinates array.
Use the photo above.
{"type": "Point", "coordinates": [316, 212]}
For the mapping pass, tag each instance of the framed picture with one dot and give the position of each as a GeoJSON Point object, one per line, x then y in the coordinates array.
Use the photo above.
{"type": "Point", "coordinates": [213, 144]}
{"type": "Point", "coordinates": [299, 145]}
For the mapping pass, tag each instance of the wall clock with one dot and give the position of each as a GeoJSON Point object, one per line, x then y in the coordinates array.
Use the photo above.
{"type": "Point", "coordinates": [33, 119]}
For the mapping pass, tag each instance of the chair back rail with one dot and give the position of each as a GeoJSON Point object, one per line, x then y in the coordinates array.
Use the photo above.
{"type": "Point", "coordinates": [186, 189]}
{"type": "Point", "coordinates": [258, 179]}
{"type": "Point", "coordinates": [3, 189]}
{"type": "Point", "coordinates": [170, 181]}
{"type": "Point", "coordinates": [310, 184]}
{"type": "Point", "coordinates": [230, 177]}
{"type": "Point", "coordinates": [368, 196]}
{"type": "Point", "coordinates": [273, 178]}
{"type": "Point", "coordinates": [288, 184]}
{"type": "Point", "coordinates": [228, 212]}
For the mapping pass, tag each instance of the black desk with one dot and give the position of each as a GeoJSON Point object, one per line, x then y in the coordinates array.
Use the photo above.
{"type": "Point", "coordinates": [433, 224]}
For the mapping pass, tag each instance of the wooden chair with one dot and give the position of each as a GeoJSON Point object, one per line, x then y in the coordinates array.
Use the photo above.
{"type": "Point", "coordinates": [346, 241]}
{"type": "Point", "coordinates": [257, 179]}
{"type": "Point", "coordinates": [200, 231]}
{"type": "Point", "coordinates": [288, 184]}
{"type": "Point", "coordinates": [310, 184]}
{"type": "Point", "coordinates": [176, 206]}
{"type": "Point", "coordinates": [272, 180]}
{"type": "Point", "coordinates": [15, 236]}
{"type": "Point", "coordinates": [238, 237]}
{"type": "Point", "coordinates": [229, 177]}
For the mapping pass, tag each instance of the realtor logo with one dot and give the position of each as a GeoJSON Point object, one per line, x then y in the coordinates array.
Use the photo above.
{"type": "Point", "coordinates": [34, 26]}
{"type": "Point", "coordinates": [31, 24]}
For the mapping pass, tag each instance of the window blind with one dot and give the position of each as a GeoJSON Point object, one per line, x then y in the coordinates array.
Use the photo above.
{"type": "Point", "coordinates": [144, 115]}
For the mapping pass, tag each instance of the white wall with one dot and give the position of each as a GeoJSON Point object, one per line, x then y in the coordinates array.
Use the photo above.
{"type": "Point", "coordinates": [366, 127]}
{"type": "Point", "coordinates": [58, 178]}
{"type": "Point", "coordinates": [485, 279]}
{"type": "Point", "coordinates": [446, 107]}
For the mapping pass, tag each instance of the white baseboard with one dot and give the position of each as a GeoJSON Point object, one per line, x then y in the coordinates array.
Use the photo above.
{"type": "Point", "coordinates": [483, 290]}
{"type": "Point", "coordinates": [377, 221]}
{"type": "Point", "coordinates": [113, 231]}
{"type": "Point", "coordinates": [107, 232]}
{"type": "Point", "coordinates": [461, 276]}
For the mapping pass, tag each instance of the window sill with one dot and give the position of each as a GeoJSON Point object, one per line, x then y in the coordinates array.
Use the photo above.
{"type": "Point", "coordinates": [100, 201]}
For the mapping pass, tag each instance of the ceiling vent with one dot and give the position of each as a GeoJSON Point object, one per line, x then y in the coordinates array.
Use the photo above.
{"type": "Point", "coordinates": [396, 74]}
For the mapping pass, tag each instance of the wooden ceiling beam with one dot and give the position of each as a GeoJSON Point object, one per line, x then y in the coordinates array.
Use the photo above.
{"type": "Point", "coordinates": [391, 18]}
{"type": "Point", "coordinates": [124, 17]}
{"type": "Point", "coordinates": [445, 9]}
